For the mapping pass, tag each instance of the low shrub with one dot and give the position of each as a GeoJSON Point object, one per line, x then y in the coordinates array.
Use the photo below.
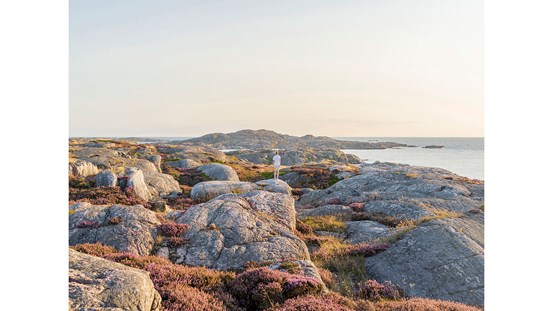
{"type": "Point", "coordinates": [115, 220]}
{"type": "Point", "coordinates": [303, 227]}
{"type": "Point", "coordinates": [326, 276]}
{"type": "Point", "coordinates": [177, 297]}
{"type": "Point", "coordinates": [94, 249]}
{"type": "Point", "coordinates": [82, 182]}
{"type": "Point", "coordinates": [136, 261]}
{"type": "Point", "coordinates": [175, 241]}
{"type": "Point", "coordinates": [172, 229]}
{"type": "Point", "coordinates": [374, 291]}
{"type": "Point", "coordinates": [88, 224]}
{"type": "Point", "coordinates": [325, 223]}
{"type": "Point", "coordinates": [421, 304]}
{"type": "Point", "coordinates": [262, 287]}
{"type": "Point", "coordinates": [367, 249]}
{"type": "Point", "coordinates": [106, 195]}
{"type": "Point", "coordinates": [327, 302]}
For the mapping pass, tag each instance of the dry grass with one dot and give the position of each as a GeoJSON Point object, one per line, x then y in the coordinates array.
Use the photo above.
{"type": "Point", "coordinates": [325, 223]}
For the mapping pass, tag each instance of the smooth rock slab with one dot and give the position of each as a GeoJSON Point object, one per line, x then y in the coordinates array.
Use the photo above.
{"type": "Point", "coordinates": [99, 284]}
{"type": "Point", "coordinates": [441, 259]}
{"type": "Point", "coordinates": [207, 190]}
{"type": "Point", "coordinates": [106, 178]}
{"type": "Point", "coordinates": [230, 230]}
{"type": "Point", "coordinates": [83, 168]}
{"type": "Point", "coordinates": [127, 228]}
{"type": "Point", "coordinates": [365, 231]}
{"type": "Point", "coordinates": [273, 185]}
{"type": "Point", "coordinates": [219, 171]}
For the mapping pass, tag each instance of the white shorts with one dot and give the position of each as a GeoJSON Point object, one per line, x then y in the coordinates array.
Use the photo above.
{"type": "Point", "coordinates": [276, 165]}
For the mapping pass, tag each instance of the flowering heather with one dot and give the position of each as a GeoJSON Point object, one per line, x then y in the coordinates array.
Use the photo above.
{"type": "Point", "coordinates": [326, 276]}
{"type": "Point", "coordinates": [177, 297]}
{"type": "Point", "coordinates": [374, 291]}
{"type": "Point", "coordinates": [367, 249]}
{"type": "Point", "coordinates": [180, 203]}
{"type": "Point", "coordinates": [106, 195]}
{"type": "Point", "coordinates": [301, 285]}
{"type": "Point", "coordinates": [175, 241]}
{"type": "Point", "coordinates": [198, 277]}
{"type": "Point", "coordinates": [328, 302]}
{"type": "Point", "coordinates": [94, 249]}
{"type": "Point", "coordinates": [260, 288]}
{"type": "Point", "coordinates": [172, 229]}
{"type": "Point", "coordinates": [136, 261]}
{"type": "Point", "coordinates": [421, 304]}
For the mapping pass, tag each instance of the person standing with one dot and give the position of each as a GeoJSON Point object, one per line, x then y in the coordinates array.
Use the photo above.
{"type": "Point", "coordinates": [276, 164]}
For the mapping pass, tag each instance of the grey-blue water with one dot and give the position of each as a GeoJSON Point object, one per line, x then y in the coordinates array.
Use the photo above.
{"type": "Point", "coordinates": [463, 156]}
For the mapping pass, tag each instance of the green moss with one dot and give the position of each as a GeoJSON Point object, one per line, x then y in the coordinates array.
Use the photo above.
{"type": "Point", "coordinates": [333, 179]}
{"type": "Point", "coordinates": [172, 160]}
{"type": "Point", "coordinates": [325, 223]}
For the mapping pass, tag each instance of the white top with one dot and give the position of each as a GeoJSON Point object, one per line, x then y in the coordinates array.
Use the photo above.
{"type": "Point", "coordinates": [276, 160]}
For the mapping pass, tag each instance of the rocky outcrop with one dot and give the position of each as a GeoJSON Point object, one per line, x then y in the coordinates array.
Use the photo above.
{"type": "Point", "coordinates": [264, 139]}
{"type": "Point", "coordinates": [83, 168]}
{"type": "Point", "coordinates": [441, 259]}
{"type": "Point", "coordinates": [207, 190]}
{"type": "Point", "coordinates": [273, 185]}
{"type": "Point", "coordinates": [295, 157]}
{"type": "Point", "coordinates": [161, 184]}
{"type": "Point", "coordinates": [135, 179]}
{"type": "Point", "coordinates": [127, 228]}
{"type": "Point", "coordinates": [186, 163]}
{"type": "Point", "coordinates": [156, 160]}
{"type": "Point", "coordinates": [218, 171]}
{"type": "Point", "coordinates": [99, 284]}
{"type": "Point", "coordinates": [182, 150]}
{"type": "Point", "coordinates": [326, 210]}
{"type": "Point", "coordinates": [430, 189]}
{"type": "Point", "coordinates": [232, 230]}
{"type": "Point", "coordinates": [106, 178]}
{"type": "Point", "coordinates": [365, 231]}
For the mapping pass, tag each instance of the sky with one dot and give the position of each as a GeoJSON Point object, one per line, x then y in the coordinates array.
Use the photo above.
{"type": "Point", "coordinates": [175, 68]}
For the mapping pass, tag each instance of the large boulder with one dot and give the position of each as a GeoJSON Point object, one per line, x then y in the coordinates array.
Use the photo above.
{"type": "Point", "coordinates": [127, 228]}
{"type": "Point", "coordinates": [430, 189]}
{"type": "Point", "coordinates": [99, 284]}
{"type": "Point", "coordinates": [106, 178]}
{"type": "Point", "coordinates": [207, 190]}
{"type": "Point", "coordinates": [275, 185]}
{"type": "Point", "coordinates": [135, 179]}
{"type": "Point", "coordinates": [186, 163]}
{"type": "Point", "coordinates": [232, 230]}
{"type": "Point", "coordinates": [159, 183]}
{"type": "Point", "coordinates": [156, 160]}
{"type": "Point", "coordinates": [218, 171]}
{"type": "Point", "coordinates": [83, 168]}
{"type": "Point", "coordinates": [441, 259]}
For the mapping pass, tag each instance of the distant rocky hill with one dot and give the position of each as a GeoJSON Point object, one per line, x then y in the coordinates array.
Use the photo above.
{"type": "Point", "coordinates": [265, 139]}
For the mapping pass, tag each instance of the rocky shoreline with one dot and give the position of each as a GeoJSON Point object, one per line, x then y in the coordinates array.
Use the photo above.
{"type": "Point", "coordinates": [184, 226]}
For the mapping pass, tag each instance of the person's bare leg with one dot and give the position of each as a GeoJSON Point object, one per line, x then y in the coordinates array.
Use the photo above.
{"type": "Point", "coordinates": [277, 171]}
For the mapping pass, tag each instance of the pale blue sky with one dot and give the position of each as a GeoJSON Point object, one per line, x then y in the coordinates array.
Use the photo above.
{"type": "Point", "coordinates": [336, 68]}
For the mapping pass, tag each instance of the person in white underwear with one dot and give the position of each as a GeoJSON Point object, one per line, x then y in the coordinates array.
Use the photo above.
{"type": "Point", "coordinates": [276, 164]}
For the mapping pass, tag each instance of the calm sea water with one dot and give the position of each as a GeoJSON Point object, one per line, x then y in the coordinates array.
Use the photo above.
{"type": "Point", "coordinates": [463, 156]}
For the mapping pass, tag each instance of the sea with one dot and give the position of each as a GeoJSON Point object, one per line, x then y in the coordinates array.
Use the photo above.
{"type": "Point", "coordinates": [461, 155]}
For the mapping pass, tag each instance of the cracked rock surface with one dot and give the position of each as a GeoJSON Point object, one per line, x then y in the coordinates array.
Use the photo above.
{"type": "Point", "coordinates": [231, 230]}
{"type": "Point", "coordinates": [441, 259]}
{"type": "Point", "coordinates": [127, 228]}
{"type": "Point", "coordinates": [99, 284]}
